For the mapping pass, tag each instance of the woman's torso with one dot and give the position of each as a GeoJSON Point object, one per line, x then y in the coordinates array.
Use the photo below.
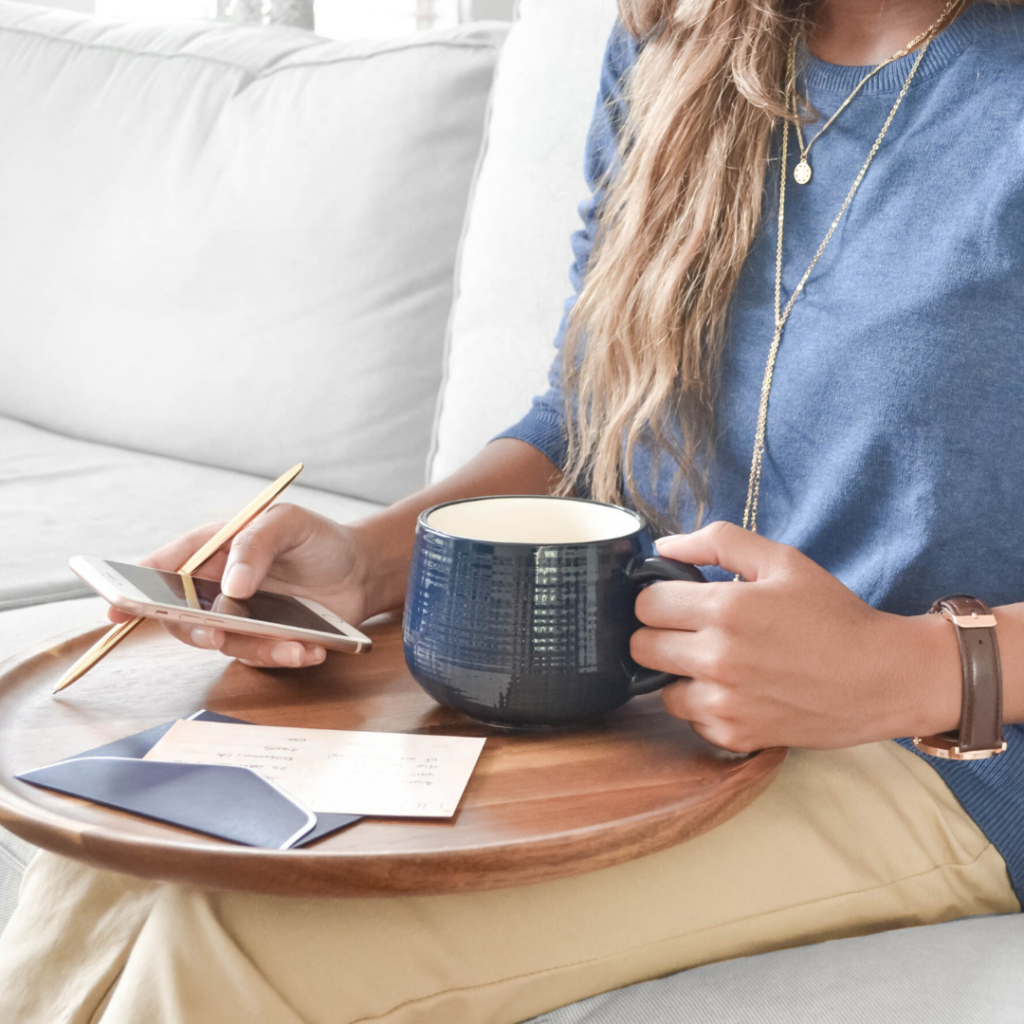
{"type": "Point", "coordinates": [893, 443]}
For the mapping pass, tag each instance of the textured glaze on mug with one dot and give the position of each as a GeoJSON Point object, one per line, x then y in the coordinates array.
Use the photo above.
{"type": "Point", "coordinates": [521, 615]}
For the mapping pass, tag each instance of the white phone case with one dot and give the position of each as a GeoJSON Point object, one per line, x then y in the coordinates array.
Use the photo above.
{"type": "Point", "coordinates": [114, 588]}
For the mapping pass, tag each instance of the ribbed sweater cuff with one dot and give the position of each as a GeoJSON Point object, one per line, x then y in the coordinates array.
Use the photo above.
{"type": "Point", "coordinates": [543, 429]}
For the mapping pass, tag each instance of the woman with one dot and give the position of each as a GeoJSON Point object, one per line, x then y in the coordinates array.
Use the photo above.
{"type": "Point", "coordinates": [885, 475]}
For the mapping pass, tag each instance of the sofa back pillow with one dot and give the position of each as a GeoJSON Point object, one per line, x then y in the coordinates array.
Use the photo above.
{"type": "Point", "coordinates": [234, 246]}
{"type": "Point", "coordinates": [513, 274]}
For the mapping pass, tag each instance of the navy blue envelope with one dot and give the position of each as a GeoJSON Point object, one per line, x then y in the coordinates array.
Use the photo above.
{"type": "Point", "coordinates": [230, 803]}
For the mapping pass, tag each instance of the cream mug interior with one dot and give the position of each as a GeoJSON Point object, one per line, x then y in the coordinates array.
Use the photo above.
{"type": "Point", "coordinates": [519, 609]}
{"type": "Point", "coordinates": [532, 520]}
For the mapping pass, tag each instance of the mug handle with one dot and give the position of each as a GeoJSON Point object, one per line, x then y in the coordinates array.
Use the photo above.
{"type": "Point", "coordinates": [654, 569]}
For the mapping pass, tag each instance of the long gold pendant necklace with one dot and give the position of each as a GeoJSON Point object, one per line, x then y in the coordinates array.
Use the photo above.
{"type": "Point", "coordinates": [782, 313]}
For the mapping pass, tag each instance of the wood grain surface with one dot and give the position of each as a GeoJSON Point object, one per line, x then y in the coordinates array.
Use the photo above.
{"type": "Point", "coordinates": [539, 806]}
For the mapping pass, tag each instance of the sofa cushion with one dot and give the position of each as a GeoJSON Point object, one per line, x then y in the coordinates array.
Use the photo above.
{"type": "Point", "coordinates": [61, 497]}
{"type": "Point", "coordinates": [15, 854]}
{"type": "Point", "coordinates": [513, 274]}
{"type": "Point", "coordinates": [968, 971]}
{"type": "Point", "coordinates": [234, 246]}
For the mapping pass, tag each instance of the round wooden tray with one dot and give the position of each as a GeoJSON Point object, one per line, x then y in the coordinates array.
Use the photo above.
{"type": "Point", "coordinates": [539, 805]}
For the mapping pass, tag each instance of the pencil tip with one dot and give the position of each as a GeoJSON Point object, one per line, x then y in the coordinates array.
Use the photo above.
{"type": "Point", "coordinates": [66, 680]}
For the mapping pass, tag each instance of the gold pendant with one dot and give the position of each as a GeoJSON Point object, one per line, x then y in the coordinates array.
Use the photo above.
{"type": "Point", "coordinates": [802, 172]}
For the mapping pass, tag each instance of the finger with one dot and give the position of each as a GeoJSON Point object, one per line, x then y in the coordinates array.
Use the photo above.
{"type": "Point", "coordinates": [213, 567]}
{"type": "Point", "coordinates": [676, 651]}
{"type": "Point", "coordinates": [706, 706]}
{"type": "Point", "coordinates": [725, 737]}
{"type": "Point", "coordinates": [691, 700]}
{"type": "Point", "coordinates": [263, 652]}
{"type": "Point", "coordinates": [279, 654]}
{"type": "Point", "coordinates": [205, 637]}
{"type": "Point", "coordinates": [254, 550]}
{"type": "Point", "coordinates": [171, 557]}
{"type": "Point", "coordinates": [682, 605]}
{"type": "Point", "coordinates": [724, 544]}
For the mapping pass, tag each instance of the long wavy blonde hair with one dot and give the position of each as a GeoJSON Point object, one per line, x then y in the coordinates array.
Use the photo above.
{"type": "Point", "coordinates": [645, 338]}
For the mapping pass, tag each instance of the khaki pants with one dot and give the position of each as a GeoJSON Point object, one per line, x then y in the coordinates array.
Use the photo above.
{"type": "Point", "coordinates": [842, 843]}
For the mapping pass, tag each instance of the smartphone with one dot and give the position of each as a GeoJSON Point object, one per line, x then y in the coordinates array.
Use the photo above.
{"type": "Point", "coordinates": [177, 597]}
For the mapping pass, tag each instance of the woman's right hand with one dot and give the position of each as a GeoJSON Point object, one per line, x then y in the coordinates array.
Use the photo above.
{"type": "Point", "coordinates": [286, 549]}
{"type": "Point", "coordinates": [355, 571]}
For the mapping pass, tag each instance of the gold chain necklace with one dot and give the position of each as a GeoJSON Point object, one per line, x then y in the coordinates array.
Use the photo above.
{"type": "Point", "coordinates": [802, 172]}
{"type": "Point", "coordinates": [782, 314]}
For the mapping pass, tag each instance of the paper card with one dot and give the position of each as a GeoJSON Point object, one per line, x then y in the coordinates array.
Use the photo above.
{"type": "Point", "coordinates": [329, 770]}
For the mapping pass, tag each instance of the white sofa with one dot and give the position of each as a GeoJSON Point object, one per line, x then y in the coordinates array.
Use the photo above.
{"type": "Point", "coordinates": [223, 250]}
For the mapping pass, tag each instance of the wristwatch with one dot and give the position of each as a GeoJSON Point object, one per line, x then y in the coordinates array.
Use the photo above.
{"type": "Point", "coordinates": [981, 716]}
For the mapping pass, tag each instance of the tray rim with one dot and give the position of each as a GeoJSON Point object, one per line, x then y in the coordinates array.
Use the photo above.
{"type": "Point", "coordinates": [516, 860]}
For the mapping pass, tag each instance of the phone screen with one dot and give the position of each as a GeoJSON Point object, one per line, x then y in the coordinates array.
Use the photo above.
{"type": "Point", "coordinates": [170, 588]}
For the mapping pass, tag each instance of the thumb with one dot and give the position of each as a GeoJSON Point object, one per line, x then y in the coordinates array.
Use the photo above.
{"type": "Point", "coordinates": [724, 544]}
{"type": "Point", "coordinates": [171, 557]}
{"type": "Point", "coordinates": [254, 549]}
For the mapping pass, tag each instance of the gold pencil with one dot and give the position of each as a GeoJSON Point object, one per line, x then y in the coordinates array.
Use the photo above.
{"type": "Point", "coordinates": [116, 634]}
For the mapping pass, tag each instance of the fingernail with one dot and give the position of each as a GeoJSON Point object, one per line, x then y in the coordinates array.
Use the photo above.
{"type": "Point", "coordinates": [288, 655]}
{"type": "Point", "coordinates": [203, 637]}
{"type": "Point", "coordinates": [317, 654]}
{"type": "Point", "coordinates": [238, 581]}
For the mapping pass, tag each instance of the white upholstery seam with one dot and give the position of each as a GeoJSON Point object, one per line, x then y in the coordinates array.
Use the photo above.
{"type": "Point", "coordinates": [449, 333]}
{"type": "Point", "coordinates": [255, 75]}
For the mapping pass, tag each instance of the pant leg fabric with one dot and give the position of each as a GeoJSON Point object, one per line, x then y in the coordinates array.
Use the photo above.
{"type": "Point", "coordinates": [842, 843]}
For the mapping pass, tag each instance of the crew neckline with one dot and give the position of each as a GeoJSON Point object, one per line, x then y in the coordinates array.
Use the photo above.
{"type": "Point", "coordinates": [820, 76]}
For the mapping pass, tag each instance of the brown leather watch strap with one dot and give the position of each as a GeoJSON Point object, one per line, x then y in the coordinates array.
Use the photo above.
{"type": "Point", "coordinates": [981, 716]}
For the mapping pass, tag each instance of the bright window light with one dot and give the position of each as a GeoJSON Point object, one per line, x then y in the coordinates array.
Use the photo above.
{"type": "Point", "coordinates": [157, 9]}
{"type": "Point", "coordinates": [362, 19]}
{"type": "Point", "coordinates": [336, 19]}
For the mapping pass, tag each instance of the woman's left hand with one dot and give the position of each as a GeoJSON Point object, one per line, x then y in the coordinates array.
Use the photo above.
{"type": "Point", "coordinates": [790, 656]}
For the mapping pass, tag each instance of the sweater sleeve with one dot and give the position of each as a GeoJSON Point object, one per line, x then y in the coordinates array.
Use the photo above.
{"type": "Point", "coordinates": [544, 425]}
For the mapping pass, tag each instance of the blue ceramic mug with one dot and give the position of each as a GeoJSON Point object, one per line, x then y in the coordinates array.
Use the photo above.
{"type": "Point", "coordinates": [520, 609]}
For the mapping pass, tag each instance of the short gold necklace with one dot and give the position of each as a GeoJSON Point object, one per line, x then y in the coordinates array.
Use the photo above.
{"type": "Point", "coordinates": [802, 173]}
{"type": "Point", "coordinates": [782, 313]}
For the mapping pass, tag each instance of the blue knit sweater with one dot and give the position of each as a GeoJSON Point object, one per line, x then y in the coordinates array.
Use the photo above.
{"type": "Point", "coordinates": [897, 413]}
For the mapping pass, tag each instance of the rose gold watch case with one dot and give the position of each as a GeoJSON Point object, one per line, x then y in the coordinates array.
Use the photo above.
{"type": "Point", "coordinates": [948, 748]}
